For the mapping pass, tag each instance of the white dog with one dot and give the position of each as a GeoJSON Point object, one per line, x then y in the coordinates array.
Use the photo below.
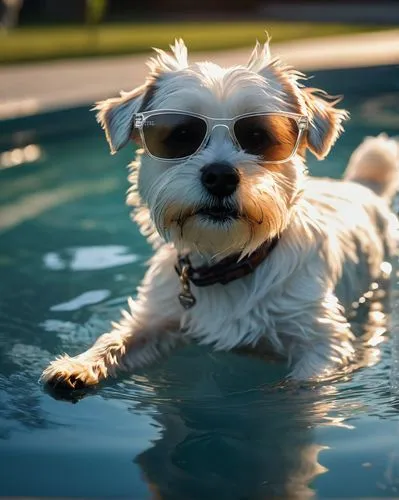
{"type": "Point", "coordinates": [251, 253]}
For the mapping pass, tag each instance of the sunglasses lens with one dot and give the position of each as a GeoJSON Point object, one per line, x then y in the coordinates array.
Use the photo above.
{"type": "Point", "coordinates": [273, 137]}
{"type": "Point", "coordinates": [173, 135]}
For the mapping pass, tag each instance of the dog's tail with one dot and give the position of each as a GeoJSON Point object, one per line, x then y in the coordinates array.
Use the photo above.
{"type": "Point", "coordinates": [375, 164]}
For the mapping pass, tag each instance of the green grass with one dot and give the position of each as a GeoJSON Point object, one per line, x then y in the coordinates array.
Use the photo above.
{"type": "Point", "coordinates": [45, 43]}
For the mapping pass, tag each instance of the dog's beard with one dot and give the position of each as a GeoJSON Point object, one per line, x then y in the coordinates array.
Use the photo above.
{"type": "Point", "coordinates": [210, 236]}
{"type": "Point", "coordinates": [185, 214]}
{"type": "Point", "coordinates": [258, 211]}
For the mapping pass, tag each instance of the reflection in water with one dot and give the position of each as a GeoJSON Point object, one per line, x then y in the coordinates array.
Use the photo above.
{"type": "Point", "coordinates": [252, 444]}
{"type": "Point", "coordinates": [89, 258]}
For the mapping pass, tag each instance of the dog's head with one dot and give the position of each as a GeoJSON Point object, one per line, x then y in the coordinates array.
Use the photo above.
{"type": "Point", "coordinates": [221, 160]}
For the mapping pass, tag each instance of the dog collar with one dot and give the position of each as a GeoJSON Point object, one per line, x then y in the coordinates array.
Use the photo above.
{"type": "Point", "coordinates": [225, 271]}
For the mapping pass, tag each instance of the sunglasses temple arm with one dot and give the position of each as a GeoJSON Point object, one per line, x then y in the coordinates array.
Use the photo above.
{"type": "Point", "coordinates": [302, 125]}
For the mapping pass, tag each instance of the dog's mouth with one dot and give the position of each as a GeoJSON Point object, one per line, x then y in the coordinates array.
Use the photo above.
{"type": "Point", "coordinates": [217, 213]}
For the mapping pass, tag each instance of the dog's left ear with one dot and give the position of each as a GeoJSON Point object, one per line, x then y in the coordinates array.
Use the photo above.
{"type": "Point", "coordinates": [325, 121]}
{"type": "Point", "coordinates": [116, 116]}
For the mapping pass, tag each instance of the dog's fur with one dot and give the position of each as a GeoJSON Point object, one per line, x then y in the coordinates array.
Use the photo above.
{"type": "Point", "coordinates": [334, 235]}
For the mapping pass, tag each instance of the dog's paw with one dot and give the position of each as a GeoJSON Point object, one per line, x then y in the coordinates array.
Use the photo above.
{"type": "Point", "coordinates": [73, 373]}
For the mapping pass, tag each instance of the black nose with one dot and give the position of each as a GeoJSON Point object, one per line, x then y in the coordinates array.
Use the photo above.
{"type": "Point", "coordinates": [220, 179]}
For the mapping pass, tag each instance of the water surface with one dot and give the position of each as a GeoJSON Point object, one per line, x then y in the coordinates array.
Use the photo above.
{"type": "Point", "coordinates": [199, 425]}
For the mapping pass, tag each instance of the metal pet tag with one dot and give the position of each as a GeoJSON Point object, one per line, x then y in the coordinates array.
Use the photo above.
{"type": "Point", "coordinates": [186, 298]}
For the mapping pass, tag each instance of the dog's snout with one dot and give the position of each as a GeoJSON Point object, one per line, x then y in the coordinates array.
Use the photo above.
{"type": "Point", "coordinates": [220, 179]}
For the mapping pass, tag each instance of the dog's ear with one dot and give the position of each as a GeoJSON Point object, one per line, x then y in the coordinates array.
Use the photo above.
{"type": "Point", "coordinates": [325, 121]}
{"type": "Point", "coordinates": [116, 116]}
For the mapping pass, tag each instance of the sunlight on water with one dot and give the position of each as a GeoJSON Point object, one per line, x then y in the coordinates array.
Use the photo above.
{"type": "Point", "coordinates": [89, 258]}
{"type": "Point", "coordinates": [92, 297]}
{"type": "Point", "coordinates": [19, 156]}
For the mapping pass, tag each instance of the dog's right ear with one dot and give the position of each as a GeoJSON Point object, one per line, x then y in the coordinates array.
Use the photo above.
{"type": "Point", "coordinates": [116, 116]}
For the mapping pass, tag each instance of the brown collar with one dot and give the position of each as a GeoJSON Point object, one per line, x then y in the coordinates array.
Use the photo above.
{"type": "Point", "coordinates": [225, 271]}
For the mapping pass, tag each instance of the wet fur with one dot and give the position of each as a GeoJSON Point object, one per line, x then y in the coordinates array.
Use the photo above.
{"type": "Point", "coordinates": [334, 235]}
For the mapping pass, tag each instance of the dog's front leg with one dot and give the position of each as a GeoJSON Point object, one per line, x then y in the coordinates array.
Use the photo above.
{"type": "Point", "coordinates": [149, 331]}
{"type": "Point", "coordinates": [323, 341]}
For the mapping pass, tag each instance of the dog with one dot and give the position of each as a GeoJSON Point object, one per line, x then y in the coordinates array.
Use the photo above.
{"type": "Point", "coordinates": [250, 252]}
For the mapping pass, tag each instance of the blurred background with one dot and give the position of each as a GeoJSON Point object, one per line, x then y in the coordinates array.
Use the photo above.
{"type": "Point", "coordinates": [52, 29]}
{"type": "Point", "coordinates": [54, 34]}
{"type": "Point", "coordinates": [76, 11]}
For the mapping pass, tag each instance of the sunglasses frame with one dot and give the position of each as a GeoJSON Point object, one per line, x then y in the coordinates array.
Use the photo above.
{"type": "Point", "coordinates": [140, 119]}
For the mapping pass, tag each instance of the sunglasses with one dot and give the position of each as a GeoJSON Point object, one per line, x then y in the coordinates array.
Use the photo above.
{"type": "Point", "coordinates": [175, 135]}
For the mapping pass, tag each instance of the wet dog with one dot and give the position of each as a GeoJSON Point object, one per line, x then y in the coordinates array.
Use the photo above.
{"type": "Point", "coordinates": [251, 253]}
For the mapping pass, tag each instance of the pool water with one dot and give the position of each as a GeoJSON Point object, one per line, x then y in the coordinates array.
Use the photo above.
{"type": "Point", "coordinates": [198, 425]}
